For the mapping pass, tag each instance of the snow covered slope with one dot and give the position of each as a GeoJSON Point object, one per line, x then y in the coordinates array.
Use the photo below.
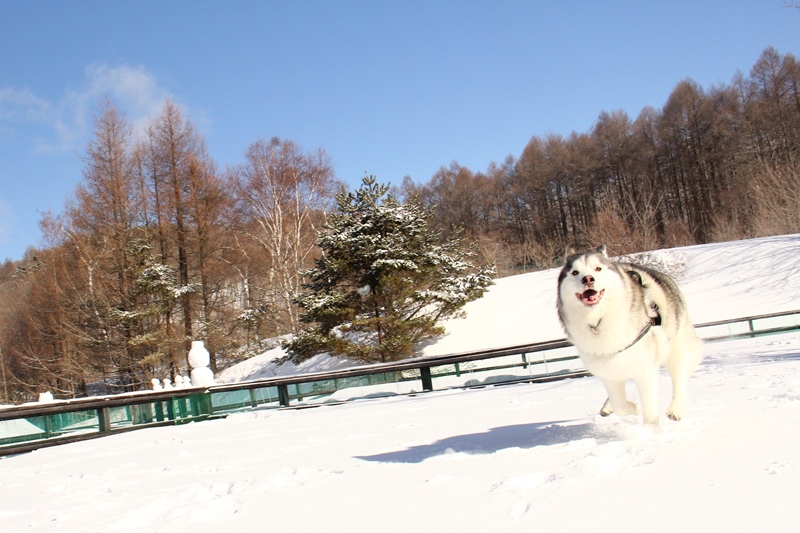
{"type": "Point", "coordinates": [720, 281]}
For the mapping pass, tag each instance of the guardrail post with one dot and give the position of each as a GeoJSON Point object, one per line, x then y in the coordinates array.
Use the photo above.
{"type": "Point", "coordinates": [184, 407]}
{"type": "Point", "coordinates": [200, 404]}
{"type": "Point", "coordinates": [253, 398]}
{"type": "Point", "coordinates": [427, 379]}
{"type": "Point", "coordinates": [103, 420]}
{"type": "Point", "coordinates": [283, 395]}
{"type": "Point", "coordinates": [48, 427]}
{"type": "Point", "coordinates": [159, 409]}
{"type": "Point", "coordinates": [297, 392]}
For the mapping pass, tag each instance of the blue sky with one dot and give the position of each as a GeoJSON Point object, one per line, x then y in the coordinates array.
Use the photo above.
{"type": "Point", "coordinates": [386, 88]}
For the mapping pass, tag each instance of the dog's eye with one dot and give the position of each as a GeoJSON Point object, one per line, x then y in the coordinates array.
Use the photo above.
{"type": "Point", "coordinates": [574, 272]}
{"type": "Point", "coordinates": [598, 269]}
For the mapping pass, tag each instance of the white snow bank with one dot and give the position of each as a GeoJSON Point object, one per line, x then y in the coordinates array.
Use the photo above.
{"type": "Point", "coordinates": [271, 364]}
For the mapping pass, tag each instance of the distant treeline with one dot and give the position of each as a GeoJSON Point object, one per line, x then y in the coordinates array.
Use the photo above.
{"type": "Point", "coordinates": [710, 165]}
{"type": "Point", "coordinates": [157, 246]}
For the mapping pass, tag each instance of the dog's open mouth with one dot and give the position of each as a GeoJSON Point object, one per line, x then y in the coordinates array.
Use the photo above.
{"type": "Point", "coordinates": [590, 296]}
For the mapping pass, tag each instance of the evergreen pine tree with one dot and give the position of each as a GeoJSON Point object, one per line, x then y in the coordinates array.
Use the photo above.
{"type": "Point", "coordinates": [384, 280]}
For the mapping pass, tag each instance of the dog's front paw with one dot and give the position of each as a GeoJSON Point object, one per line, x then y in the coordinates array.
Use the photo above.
{"type": "Point", "coordinates": [675, 411]}
{"type": "Point", "coordinates": [673, 415]}
{"type": "Point", "coordinates": [629, 408]}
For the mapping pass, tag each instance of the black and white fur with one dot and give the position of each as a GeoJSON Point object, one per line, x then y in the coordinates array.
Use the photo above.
{"type": "Point", "coordinates": [626, 321]}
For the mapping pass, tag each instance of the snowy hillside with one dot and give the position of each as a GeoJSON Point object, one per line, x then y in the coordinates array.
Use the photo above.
{"type": "Point", "coordinates": [525, 457]}
{"type": "Point", "coordinates": [720, 281]}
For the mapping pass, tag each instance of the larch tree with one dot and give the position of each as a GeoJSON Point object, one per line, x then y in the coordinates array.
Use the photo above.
{"type": "Point", "coordinates": [96, 238]}
{"type": "Point", "coordinates": [178, 145]}
{"type": "Point", "coordinates": [172, 156]}
{"type": "Point", "coordinates": [102, 225]}
{"type": "Point", "coordinates": [209, 204]}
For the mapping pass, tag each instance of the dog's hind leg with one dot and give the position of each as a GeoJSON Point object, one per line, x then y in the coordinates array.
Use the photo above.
{"type": "Point", "coordinates": [681, 364]}
{"type": "Point", "coordinates": [680, 381]}
{"type": "Point", "coordinates": [648, 393]}
{"type": "Point", "coordinates": [617, 400]}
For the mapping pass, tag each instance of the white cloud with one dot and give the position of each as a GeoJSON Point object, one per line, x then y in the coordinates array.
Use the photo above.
{"type": "Point", "coordinates": [68, 121]}
{"type": "Point", "coordinates": [135, 90]}
{"type": "Point", "coordinates": [21, 105]}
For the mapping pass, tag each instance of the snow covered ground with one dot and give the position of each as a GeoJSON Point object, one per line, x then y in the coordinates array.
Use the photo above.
{"type": "Point", "coordinates": [509, 458]}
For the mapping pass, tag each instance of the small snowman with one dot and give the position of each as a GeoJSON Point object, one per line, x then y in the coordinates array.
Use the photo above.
{"type": "Point", "coordinates": [46, 397]}
{"type": "Point", "coordinates": [199, 358]}
{"type": "Point", "coordinates": [157, 384]}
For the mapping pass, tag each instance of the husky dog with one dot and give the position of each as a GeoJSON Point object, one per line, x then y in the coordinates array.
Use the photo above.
{"type": "Point", "coordinates": [626, 321]}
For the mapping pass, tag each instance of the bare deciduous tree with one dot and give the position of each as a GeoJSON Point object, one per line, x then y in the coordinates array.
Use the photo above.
{"type": "Point", "coordinates": [283, 194]}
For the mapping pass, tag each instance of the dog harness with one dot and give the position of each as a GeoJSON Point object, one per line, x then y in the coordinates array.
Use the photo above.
{"type": "Point", "coordinates": [654, 321]}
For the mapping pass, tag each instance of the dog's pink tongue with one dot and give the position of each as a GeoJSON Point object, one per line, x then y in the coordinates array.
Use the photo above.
{"type": "Point", "coordinates": [590, 297]}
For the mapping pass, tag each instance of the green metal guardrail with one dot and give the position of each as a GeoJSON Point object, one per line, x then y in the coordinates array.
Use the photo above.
{"type": "Point", "coordinates": [30, 426]}
{"type": "Point", "coordinates": [750, 326]}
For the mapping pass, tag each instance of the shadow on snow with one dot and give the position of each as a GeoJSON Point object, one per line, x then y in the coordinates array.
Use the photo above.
{"type": "Point", "coordinates": [496, 439]}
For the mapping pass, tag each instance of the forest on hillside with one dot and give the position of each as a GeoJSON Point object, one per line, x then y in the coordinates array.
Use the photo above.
{"type": "Point", "coordinates": [158, 246]}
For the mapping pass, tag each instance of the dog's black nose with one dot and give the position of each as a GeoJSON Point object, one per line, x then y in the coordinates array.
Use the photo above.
{"type": "Point", "coordinates": [588, 281]}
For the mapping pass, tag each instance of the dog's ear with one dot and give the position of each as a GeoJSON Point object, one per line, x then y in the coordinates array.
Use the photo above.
{"type": "Point", "coordinates": [635, 276]}
{"type": "Point", "coordinates": [602, 249]}
{"type": "Point", "coordinates": [568, 251]}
